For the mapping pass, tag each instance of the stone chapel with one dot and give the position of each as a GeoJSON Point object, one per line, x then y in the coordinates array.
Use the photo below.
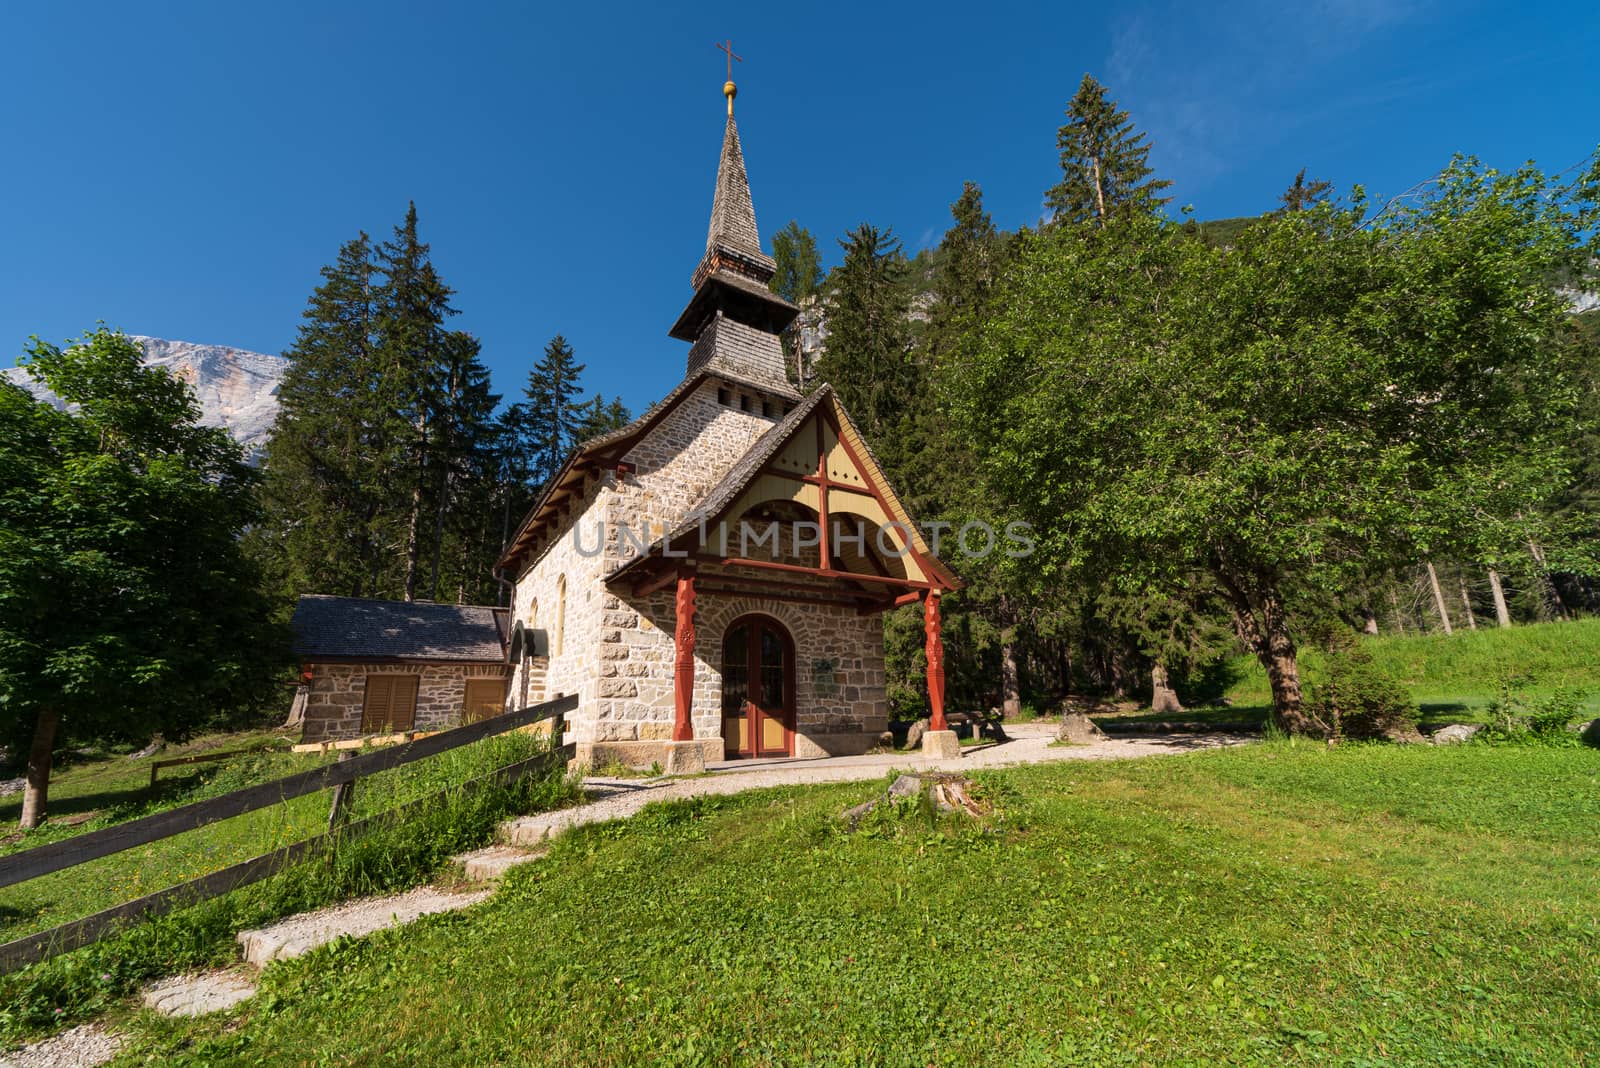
{"type": "Point", "coordinates": [675, 575]}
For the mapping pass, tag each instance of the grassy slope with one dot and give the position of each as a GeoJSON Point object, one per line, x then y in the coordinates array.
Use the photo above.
{"type": "Point", "coordinates": [1466, 667]}
{"type": "Point", "coordinates": [119, 788]}
{"type": "Point", "coordinates": [1279, 904]}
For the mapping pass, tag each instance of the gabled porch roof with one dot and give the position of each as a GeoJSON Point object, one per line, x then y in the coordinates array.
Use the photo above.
{"type": "Point", "coordinates": [816, 458]}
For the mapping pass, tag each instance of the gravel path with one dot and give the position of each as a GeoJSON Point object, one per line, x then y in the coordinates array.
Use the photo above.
{"type": "Point", "coordinates": [1031, 743]}
{"type": "Point", "coordinates": [89, 1044]}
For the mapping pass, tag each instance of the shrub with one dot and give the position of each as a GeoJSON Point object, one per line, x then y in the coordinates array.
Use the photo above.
{"type": "Point", "coordinates": [1520, 719]}
{"type": "Point", "coordinates": [1361, 699]}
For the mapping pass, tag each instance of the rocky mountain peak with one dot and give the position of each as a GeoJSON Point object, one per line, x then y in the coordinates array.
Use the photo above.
{"type": "Point", "coordinates": [237, 389]}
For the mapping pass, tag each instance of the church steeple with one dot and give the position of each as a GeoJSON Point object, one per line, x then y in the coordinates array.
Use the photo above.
{"type": "Point", "coordinates": [733, 217]}
{"type": "Point", "coordinates": [733, 319]}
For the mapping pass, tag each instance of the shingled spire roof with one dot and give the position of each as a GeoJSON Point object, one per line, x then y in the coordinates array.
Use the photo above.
{"type": "Point", "coordinates": [733, 216]}
{"type": "Point", "coordinates": [734, 320]}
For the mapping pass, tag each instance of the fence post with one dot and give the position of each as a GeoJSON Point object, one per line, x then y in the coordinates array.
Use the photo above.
{"type": "Point", "coordinates": [341, 796]}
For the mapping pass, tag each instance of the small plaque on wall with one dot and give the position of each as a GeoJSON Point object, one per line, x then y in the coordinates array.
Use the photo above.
{"type": "Point", "coordinates": [823, 682]}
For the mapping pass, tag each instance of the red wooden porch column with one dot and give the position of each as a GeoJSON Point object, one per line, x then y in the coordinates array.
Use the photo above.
{"type": "Point", "coordinates": [683, 640]}
{"type": "Point", "coordinates": [935, 651]}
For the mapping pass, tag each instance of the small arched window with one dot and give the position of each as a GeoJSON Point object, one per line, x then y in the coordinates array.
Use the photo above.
{"type": "Point", "coordinates": [561, 616]}
{"type": "Point", "coordinates": [533, 613]}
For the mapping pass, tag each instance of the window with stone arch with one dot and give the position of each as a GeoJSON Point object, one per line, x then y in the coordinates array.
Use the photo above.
{"type": "Point", "coordinates": [561, 616]}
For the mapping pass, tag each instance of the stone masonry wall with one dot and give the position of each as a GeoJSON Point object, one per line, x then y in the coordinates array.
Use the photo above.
{"type": "Point", "coordinates": [675, 467]}
{"type": "Point", "coordinates": [334, 700]}
{"type": "Point", "coordinates": [574, 555]}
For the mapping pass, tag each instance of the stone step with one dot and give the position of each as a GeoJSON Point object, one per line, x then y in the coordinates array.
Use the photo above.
{"type": "Point", "coordinates": [301, 934]}
{"type": "Point", "coordinates": [489, 864]}
{"type": "Point", "coordinates": [198, 995]}
{"type": "Point", "coordinates": [526, 833]}
{"type": "Point", "coordinates": [532, 832]}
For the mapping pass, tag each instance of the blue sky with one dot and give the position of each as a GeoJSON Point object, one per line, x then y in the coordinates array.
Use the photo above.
{"type": "Point", "coordinates": [183, 170]}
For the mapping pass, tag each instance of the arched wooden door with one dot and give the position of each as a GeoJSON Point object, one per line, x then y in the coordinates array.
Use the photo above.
{"type": "Point", "coordinates": [757, 689]}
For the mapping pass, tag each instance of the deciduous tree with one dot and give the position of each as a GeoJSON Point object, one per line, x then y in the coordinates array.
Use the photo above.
{"type": "Point", "coordinates": [1331, 393]}
{"type": "Point", "coordinates": [127, 606]}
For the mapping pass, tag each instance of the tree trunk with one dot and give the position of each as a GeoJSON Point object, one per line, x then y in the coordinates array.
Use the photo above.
{"type": "Point", "coordinates": [1502, 615]}
{"type": "Point", "coordinates": [36, 794]}
{"type": "Point", "coordinates": [1466, 602]}
{"type": "Point", "coordinates": [1558, 606]}
{"type": "Point", "coordinates": [1010, 689]}
{"type": "Point", "coordinates": [1399, 616]}
{"type": "Point", "coordinates": [1163, 698]}
{"type": "Point", "coordinates": [438, 534]}
{"type": "Point", "coordinates": [413, 541]}
{"type": "Point", "coordinates": [1438, 599]}
{"type": "Point", "coordinates": [1263, 624]}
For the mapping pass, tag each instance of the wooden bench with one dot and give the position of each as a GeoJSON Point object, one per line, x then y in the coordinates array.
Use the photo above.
{"type": "Point", "coordinates": [982, 724]}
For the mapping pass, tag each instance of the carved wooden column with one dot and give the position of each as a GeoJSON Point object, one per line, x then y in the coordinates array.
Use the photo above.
{"type": "Point", "coordinates": [935, 651]}
{"type": "Point", "coordinates": [683, 678]}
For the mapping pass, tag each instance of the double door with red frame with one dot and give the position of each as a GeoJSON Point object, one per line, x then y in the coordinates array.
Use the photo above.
{"type": "Point", "coordinates": [757, 689]}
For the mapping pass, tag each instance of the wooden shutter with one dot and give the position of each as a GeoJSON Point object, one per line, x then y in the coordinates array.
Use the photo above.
{"type": "Point", "coordinates": [484, 698]}
{"type": "Point", "coordinates": [390, 703]}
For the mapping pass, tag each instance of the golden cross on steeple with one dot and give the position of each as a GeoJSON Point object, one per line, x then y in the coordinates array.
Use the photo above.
{"type": "Point", "coordinates": [729, 90]}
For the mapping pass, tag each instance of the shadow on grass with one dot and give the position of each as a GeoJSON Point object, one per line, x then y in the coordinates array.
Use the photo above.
{"type": "Point", "coordinates": [1238, 718]}
{"type": "Point", "coordinates": [1443, 713]}
{"type": "Point", "coordinates": [121, 797]}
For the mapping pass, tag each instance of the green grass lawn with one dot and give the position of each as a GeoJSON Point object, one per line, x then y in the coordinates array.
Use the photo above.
{"type": "Point", "coordinates": [1275, 904]}
{"type": "Point", "coordinates": [118, 789]}
{"type": "Point", "coordinates": [1453, 677]}
{"type": "Point", "coordinates": [109, 787]}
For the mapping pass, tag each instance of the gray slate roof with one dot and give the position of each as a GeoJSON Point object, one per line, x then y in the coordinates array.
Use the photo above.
{"type": "Point", "coordinates": [360, 628]}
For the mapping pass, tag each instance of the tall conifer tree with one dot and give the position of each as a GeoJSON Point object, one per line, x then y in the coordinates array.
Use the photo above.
{"type": "Point", "coordinates": [600, 417]}
{"type": "Point", "coordinates": [869, 336]}
{"type": "Point", "coordinates": [413, 304]}
{"type": "Point", "coordinates": [463, 466]}
{"type": "Point", "coordinates": [1103, 162]}
{"type": "Point", "coordinates": [799, 272]}
{"type": "Point", "coordinates": [553, 411]}
{"type": "Point", "coordinates": [326, 515]}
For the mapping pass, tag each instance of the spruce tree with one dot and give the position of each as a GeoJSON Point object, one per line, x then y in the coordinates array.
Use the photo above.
{"type": "Point", "coordinates": [969, 265]}
{"type": "Point", "coordinates": [513, 465]}
{"type": "Point", "coordinates": [382, 474]}
{"type": "Point", "coordinates": [463, 466]}
{"type": "Point", "coordinates": [1302, 194]}
{"type": "Point", "coordinates": [326, 515]}
{"type": "Point", "coordinates": [553, 411]}
{"type": "Point", "coordinates": [598, 417]}
{"type": "Point", "coordinates": [799, 272]}
{"type": "Point", "coordinates": [869, 337]}
{"type": "Point", "coordinates": [1103, 162]}
{"type": "Point", "coordinates": [412, 306]}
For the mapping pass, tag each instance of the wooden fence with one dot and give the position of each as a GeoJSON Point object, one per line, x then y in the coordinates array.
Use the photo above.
{"type": "Point", "coordinates": [70, 852]}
